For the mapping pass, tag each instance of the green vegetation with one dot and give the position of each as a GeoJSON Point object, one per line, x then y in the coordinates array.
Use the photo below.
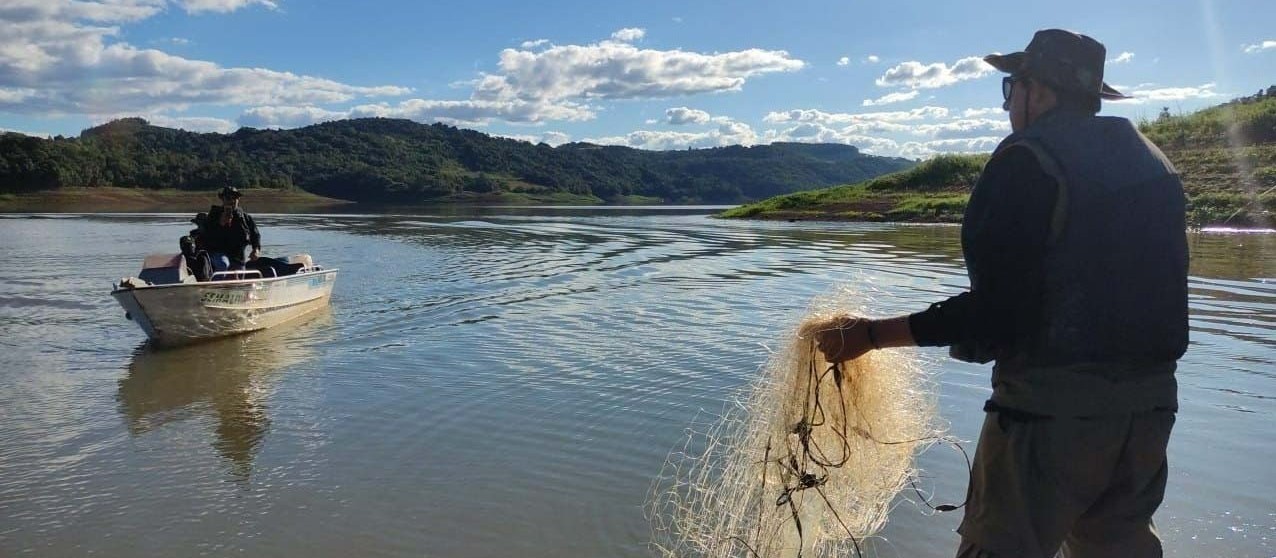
{"type": "Point", "coordinates": [934, 190]}
{"type": "Point", "coordinates": [403, 162]}
{"type": "Point", "coordinates": [1225, 154]}
{"type": "Point", "coordinates": [1244, 121]}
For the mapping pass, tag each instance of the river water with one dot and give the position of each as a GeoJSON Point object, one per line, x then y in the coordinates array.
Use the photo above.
{"type": "Point", "coordinates": [509, 382]}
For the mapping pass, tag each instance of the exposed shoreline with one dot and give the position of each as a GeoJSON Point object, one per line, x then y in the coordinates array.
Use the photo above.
{"type": "Point", "coordinates": [130, 200]}
{"type": "Point", "coordinates": [263, 200]}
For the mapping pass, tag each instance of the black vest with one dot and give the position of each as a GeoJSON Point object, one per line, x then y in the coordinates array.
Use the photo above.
{"type": "Point", "coordinates": [1116, 264]}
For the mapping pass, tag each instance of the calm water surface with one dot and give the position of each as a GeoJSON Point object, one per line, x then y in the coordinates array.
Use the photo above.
{"type": "Point", "coordinates": [508, 383]}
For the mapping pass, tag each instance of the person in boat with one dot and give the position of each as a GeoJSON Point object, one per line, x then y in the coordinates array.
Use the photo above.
{"type": "Point", "coordinates": [228, 230]}
{"type": "Point", "coordinates": [1075, 246]}
{"type": "Point", "coordinates": [194, 249]}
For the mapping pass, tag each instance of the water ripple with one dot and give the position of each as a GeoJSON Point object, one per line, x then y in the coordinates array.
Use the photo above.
{"type": "Point", "coordinates": [501, 383]}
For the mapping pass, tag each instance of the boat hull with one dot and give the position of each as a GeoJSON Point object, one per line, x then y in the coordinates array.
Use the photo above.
{"type": "Point", "coordinates": [188, 312]}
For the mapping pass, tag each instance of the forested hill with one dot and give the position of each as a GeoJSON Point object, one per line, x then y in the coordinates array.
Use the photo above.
{"type": "Point", "coordinates": [400, 161]}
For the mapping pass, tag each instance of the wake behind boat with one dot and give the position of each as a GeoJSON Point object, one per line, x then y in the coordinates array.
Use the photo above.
{"type": "Point", "coordinates": [173, 308]}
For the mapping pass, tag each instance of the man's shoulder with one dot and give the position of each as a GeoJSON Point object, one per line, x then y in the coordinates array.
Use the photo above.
{"type": "Point", "coordinates": [1017, 154]}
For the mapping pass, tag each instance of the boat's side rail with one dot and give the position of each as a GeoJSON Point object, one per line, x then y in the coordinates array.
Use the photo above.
{"type": "Point", "coordinates": [236, 274]}
{"type": "Point", "coordinates": [229, 282]}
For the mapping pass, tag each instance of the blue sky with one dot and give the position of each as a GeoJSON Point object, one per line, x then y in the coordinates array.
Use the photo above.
{"type": "Point", "coordinates": [894, 78]}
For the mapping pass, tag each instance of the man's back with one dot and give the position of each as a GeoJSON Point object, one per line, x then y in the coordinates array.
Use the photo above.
{"type": "Point", "coordinates": [1116, 265]}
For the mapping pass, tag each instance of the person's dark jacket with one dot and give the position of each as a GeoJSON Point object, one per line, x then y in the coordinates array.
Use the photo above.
{"type": "Point", "coordinates": [1075, 245]}
{"type": "Point", "coordinates": [230, 240]}
{"type": "Point", "coordinates": [197, 260]}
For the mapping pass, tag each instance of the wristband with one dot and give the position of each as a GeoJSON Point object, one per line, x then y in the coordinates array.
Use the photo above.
{"type": "Point", "coordinates": [872, 339]}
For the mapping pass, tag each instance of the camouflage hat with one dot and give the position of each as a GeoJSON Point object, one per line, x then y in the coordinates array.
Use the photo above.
{"type": "Point", "coordinates": [229, 192]}
{"type": "Point", "coordinates": [1062, 59]}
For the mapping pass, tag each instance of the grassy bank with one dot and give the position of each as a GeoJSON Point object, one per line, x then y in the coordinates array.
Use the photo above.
{"type": "Point", "coordinates": [1226, 156]}
{"type": "Point", "coordinates": [934, 191]}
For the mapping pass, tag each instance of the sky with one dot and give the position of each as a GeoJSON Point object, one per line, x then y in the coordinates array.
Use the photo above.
{"type": "Point", "coordinates": [899, 78]}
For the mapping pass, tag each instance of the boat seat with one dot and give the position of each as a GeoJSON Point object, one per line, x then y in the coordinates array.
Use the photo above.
{"type": "Point", "coordinates": [165, 269]}
{"type": "Point", "coordinates": [304, 259]}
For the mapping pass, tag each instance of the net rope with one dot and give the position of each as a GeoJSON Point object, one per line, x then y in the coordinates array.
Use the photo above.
{"type": "Point", "coordinates": [808, 463]}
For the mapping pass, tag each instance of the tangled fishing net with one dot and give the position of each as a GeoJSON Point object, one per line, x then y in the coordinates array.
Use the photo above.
{"type": "Point", "coordinates": [809, 463]}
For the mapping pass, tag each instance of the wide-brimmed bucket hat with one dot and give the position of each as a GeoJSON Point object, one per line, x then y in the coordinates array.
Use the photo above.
{"type": "Point", "coordinates": [1063, 59]}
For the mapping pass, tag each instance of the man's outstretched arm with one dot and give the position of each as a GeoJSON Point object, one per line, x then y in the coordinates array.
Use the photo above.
{"type": "Point", "coordinates": [1008, 225]}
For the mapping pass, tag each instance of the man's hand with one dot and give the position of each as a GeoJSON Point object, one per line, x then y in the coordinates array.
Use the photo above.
{"type": "Point", "coordinates": [256, 253]}
{"type": "Point", "coordinates": [842, 339]}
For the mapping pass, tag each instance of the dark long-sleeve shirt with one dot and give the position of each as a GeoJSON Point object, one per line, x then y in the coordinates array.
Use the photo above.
{"type": "Point", "coordinates": [1004, 237]}
{"type": "Point", "coordinates": [231, 239]}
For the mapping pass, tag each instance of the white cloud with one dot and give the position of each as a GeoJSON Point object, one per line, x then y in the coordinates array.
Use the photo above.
{"type": "Point", "coordinates": [964, 128]}
{"type": "Point", "coordinates": [981, 112]}
{"type": "Point", "coordinates": [16, 96]}
{"type": "Point", "coordinates": [872, 59]}
{"type": "Point", "coordinates": [818, 133]}
{"type": "Point", "coordinates": [555, 138]}
{"type": "Point", "coordinates": [889, 98]}
{"type": "Point", "coordinates": [837, 118]}
{"type": "Point", "coordinates": [684, 115]}
{"type": "Point", "coordinates": [728, 132]}
{"type": "Point", "coordinates": [62, 51]}
{"type": "Point", "coordinates": [916, 75]}
{"type": "Point", "coordinates": [287, 117]}
{"type": "Point", "coordinates": [469, 113]}
{"type": "Point", "coordinates": [552, 138]}
{"type": "Point", "coordinates": [119, 11]}
{"type": "Point", "coordinates": [558, 83]}
{"type": "Point", "coordinates": [887, 133]}
{"type": "Point", "coordinates": [192, 123]}
{"type": "Point", "coordinates": [927, 149]}
{"type": "Point", "coordinates": [629, 34]}
{"type": "Point", "coordinates": [1205, 91]}
{"type": "Point", "coordinates": [1260, 46]}
{"type": "Point", "coordinates": [843, 61]}
{"type": "Point", "coordinates": [222, 6]}
{"type": "Point", "coordinates": [67, 57]}
{"type": "Point", "coordinates": [614, 70]}
{"type": "Point", "coordinates": [1122, 58]}
{"type": "Point", "coordinates": [32, 134]}
{"type": "Point", "coordinates": [473, 112]}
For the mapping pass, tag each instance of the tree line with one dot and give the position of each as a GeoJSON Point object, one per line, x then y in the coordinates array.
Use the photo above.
{"type": "Point", "coordinates": [392, 160]}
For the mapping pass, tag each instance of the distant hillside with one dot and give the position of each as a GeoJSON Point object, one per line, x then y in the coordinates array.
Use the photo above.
{"type": "Point", "coordinates": [1226, 155]}
{"type": "Point", "coordinates": [399, 161]}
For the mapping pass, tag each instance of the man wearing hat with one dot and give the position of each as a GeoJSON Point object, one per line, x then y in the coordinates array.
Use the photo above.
{"type": "Point", "coordinates": [228, 230]}
{"type": "Point", "coordinates": [1075, 245]}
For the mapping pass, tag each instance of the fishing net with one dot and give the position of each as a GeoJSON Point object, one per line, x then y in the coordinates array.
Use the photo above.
{"type": "Point", "coordinates": [808, 463]}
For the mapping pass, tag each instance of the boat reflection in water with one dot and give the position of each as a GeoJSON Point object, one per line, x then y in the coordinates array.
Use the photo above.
{"type": "Point", "coordinates": [230, 378]}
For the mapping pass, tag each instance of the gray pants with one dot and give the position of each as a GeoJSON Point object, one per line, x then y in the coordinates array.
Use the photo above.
{"type": "Point", "coordinates": [1082, 487]}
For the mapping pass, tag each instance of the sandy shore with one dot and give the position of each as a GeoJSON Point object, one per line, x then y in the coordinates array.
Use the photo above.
{"type": "Point", "coordinates": [128, 200]}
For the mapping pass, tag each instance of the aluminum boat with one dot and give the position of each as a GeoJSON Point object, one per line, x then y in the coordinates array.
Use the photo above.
{"type": "Point", "coordinates": [173, 308]}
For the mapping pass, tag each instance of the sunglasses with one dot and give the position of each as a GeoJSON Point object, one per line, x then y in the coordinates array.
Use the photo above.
{"type": "Point", "coordinates": [1008, 86]}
